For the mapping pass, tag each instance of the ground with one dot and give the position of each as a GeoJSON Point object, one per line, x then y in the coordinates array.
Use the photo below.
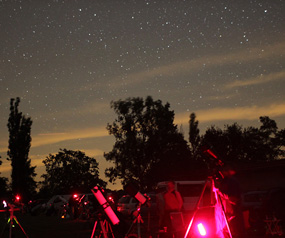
{"type": "Point", "coordinates": [43, 226]}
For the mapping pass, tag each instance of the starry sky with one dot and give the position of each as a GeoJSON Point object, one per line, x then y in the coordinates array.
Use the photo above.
{"type": "Point", "coordinates": [67, 60]}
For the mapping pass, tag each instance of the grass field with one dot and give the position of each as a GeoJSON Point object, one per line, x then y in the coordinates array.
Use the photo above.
{"type": "Point", "coordinates": [43, 226]}
{"type": "Point", "coordinates": [46, 227]}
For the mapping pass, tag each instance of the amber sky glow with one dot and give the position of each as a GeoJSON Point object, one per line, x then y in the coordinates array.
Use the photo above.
{"type": "Point", "coordinates": [67, 60]}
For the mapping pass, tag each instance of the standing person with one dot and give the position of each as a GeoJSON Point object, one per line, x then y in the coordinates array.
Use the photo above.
{"type": "Point", "coordinates": [172, 203]}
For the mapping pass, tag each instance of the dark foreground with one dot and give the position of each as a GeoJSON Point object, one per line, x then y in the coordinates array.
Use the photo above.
{"type": "Point", "coordinates": [47, 226]}
{"type": "Point", "coordinates": [43, 226]}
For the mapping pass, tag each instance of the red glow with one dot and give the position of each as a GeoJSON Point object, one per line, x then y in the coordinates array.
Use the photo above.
{"type": "Point", "coordinates": [216, 223]}
{"type": "Point", "coordinates": [18, 198]}
{"type": "Point", "coordinates": [201, 229]}
{"type": "Point", "coordinates": [75, 196]}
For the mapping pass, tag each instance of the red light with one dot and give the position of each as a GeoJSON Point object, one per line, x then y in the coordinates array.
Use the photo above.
{"type": "Point", "coordinates": [211, 153]}
{"type": "Point", "coordinates": [18, 198]}
{"type": "Point", "coordinates": [75, 196]}
{"type": "Point", "coordinates": [201, 229]}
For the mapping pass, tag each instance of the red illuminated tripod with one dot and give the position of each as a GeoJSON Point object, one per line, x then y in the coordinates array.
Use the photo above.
{"type": "Point", "coordinates": [138, 220]}
{"type": "Point", "coordinates": [11, 220]}
{"type": "Point", "coordinates": [105, 227]}
{"type": "Point", "coordinates": [212, 210]}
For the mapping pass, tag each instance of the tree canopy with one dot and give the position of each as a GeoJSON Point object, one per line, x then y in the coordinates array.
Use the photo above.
{"type": "Point", "coordinates": [18, 151]}
{"type": "Point", "coordinates": [70, 171]}
{"type": "Point", "coordinates": [3, 184]}
{"type": "Point", "coordinates": [148, 147]}
{"type": "Point", "coordinates": [237, 144]}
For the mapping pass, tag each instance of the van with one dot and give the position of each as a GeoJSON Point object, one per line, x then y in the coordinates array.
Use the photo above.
{"type": "Point", "coordinates": [190, 192]}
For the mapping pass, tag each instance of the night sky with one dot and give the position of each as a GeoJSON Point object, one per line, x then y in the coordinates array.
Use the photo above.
{"type": "Point", "coordinates": [67, 60]}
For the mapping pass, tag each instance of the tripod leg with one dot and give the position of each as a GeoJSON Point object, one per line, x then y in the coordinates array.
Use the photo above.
{"type": "Point", "coordinates": [227, 223]}
{"type": "Point", "coordinates": [94, 228]}
{"type": "Point", "coordinates": [131, 227]}
{"type": "Point", "coordinates": [139, 229]}
{"type": "Point", "coordinates": [20, 226]}
{"type": "Point", "coordinates": [11, 226]}
{"type": "Point", "coordinates": [110, 229]}
{"type": "Point", "coordinates": [140, 221]}
{"type": "Point", "coordinates": [103, 228]}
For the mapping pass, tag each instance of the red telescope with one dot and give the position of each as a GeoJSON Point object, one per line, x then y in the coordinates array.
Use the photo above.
{"type": "Point", "coordinates": [105, 205]}
{"type": "Point", "coordinates": [134, 192]}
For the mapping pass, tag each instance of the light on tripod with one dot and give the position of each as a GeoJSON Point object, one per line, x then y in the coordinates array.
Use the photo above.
{"type": "Point", "coordinates": [18, 198]}
{"type": "Point", "coordinates": [105, 205]}
{"type": "Point", "coordinates": [201, 229]}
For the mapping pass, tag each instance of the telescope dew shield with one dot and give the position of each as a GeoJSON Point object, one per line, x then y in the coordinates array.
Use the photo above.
{"type": "Point", "coordinates": [134, 192]}
{"type": "Point", "coordinates": [105, 205]}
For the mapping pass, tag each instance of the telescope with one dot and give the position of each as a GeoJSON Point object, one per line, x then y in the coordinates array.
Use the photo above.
{"type": "Point", "coordinates": [134, 192]}
{"type": "Point", "coordinates": [105, 205]}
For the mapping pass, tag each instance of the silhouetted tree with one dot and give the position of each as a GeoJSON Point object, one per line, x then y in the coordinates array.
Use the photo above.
{"type": "Point", "coordinates": [250, 144]}
{"type": "Point", "coordinates": [194, 135]}
{"type": "Point", "coordinates": [148, 146]}
{"type": "Point", "coordinates": [3, 184]}
{"type": "Point", "coordinates": [70, 171]}
{"type": "Point", "coordinates": [18, 151]}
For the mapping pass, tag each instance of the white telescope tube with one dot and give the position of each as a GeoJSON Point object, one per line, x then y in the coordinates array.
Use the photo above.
{"type": "Point", "coordinates": [105, 205]}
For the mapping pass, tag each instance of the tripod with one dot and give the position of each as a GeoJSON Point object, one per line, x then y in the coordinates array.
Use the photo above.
{"type": "Point", "coordinates": [105, 227]}
{"type": "Point", "coordinates": [11, 220]}
{"type": "Point", "coordinates": [138, 220]}
{"type": "Point", "coordinates": [215, 208]}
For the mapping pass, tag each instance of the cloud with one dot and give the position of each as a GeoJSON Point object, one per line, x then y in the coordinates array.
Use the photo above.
{"type": "Point", "coordinates": [51, 138]}
{"type": "Point", "coordinates": [256, 80]}
{"type": "Point", "coordinates": [80, 111]}
{"type": "Point", "coordinates": [222, 97]}
{"type": "Point", "coordinates": [4, 146]}
{"type": "Point", "coordinates": [238, 113]}
{"type": "Point", "coordinates": [5, 167]}
{"type": "Point", "coordinates": [187, 66]}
